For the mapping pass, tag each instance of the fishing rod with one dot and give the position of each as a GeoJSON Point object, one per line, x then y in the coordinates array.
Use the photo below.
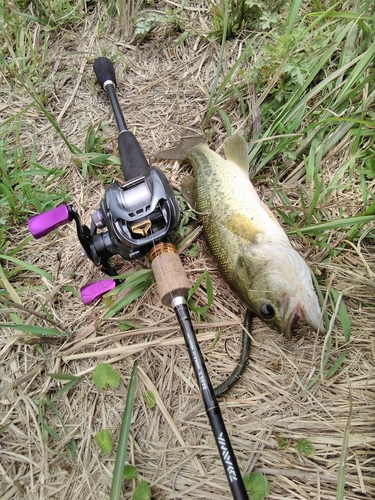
{"type": "Point", "coordinates": [134, 219]}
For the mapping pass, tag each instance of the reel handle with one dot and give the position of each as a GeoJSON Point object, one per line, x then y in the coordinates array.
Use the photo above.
{"type": "Point", "coordinates": [93, 291]}
{"type": "Point", "coordinates": [133, 160]}
{"type": "Point", "coordinates": [44, 223]}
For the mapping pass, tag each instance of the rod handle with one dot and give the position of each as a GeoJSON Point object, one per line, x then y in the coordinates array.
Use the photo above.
{"type": "Point", "coordinates": [104, 71]}
{"type": "Point", "coordinates": [44, 223]}
{"type": "Point", "coordinates": [170, 275]}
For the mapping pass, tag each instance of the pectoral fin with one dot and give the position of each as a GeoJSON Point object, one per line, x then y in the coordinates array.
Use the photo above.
{"type": "Point", "coordinates": [187, 187]}
{"type": "Point", "coordinates": [235, 149]}
{"type": "Point", "coordinates": [242, 226]}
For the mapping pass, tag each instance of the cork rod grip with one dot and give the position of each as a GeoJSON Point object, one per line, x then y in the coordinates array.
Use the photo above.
{"type": "Point", "coordinates": [170, 276]}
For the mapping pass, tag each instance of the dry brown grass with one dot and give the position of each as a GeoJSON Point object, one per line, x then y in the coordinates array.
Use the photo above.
{"type": "Point", "coordinates": [163, 89]}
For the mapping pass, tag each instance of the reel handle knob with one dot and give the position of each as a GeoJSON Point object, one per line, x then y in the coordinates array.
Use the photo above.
{"type": "Point", "coordinates": [104, 71]}
{"type": "Point", "coordinates": [93, 291]}
{"type": "Point", "coordinates": [44, 223]}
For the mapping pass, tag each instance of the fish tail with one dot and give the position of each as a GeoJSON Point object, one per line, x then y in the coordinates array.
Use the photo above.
{"type": "Point", "coordinates": [181, 150]}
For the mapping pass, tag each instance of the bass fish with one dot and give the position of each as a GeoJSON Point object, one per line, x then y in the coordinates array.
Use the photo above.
{"type": "Point", "coordinates": [251, 248]}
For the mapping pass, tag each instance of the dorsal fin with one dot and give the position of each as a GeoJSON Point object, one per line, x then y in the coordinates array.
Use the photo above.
{"type": "Point", "coordinates": [179, 151]}
{"type": "Point", "coordinates": [235, 149]}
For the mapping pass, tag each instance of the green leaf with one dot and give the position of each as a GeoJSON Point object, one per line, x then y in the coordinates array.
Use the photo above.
{"type": "Point", "coordinates": [104, 375]}
{"type": "Point", "coordinates": [210, 295]}
{"type": "Point", "coordinates": [142, 491]}
{"type": "Point", "coordinates": [149, 398]}
{"type": "Point", "coordinates": [104, 441]}
{"type": "Point", "coordinates": [124, 327]}
{"type": "Point", "coordinates": [40, 331]}
{"type": "Point", "coordinates": [283, 444]}
{"type": "Point", "coordinates": [305, 447]}
{"type": "Point", "coordinates": [29, 267]}
{"type": "Point", "coordinates": [193, 251]}
{"type": "Point", "coordinates": [257, 485]}
{"type": "Point", "coordinates": [130, 472]}
{"type": "Point", "coordinates": [118, 472]}
{"type": "Point", "coordinates": [320, 227]}
{"type": "Point", "coordinates": [135, 285]}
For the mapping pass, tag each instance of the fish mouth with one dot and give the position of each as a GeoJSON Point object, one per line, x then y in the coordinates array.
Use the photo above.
{"type": "Point", "coordinates": [293, 311]}
{"type": "Point", "coordinates": [290, 322]}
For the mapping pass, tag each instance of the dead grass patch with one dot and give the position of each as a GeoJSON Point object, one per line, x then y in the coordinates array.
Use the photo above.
{"type": "Point", "coordinates": [163, 89]}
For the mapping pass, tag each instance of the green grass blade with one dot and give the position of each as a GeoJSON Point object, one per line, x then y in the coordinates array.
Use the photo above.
{"type": "Point", "coordinates": [51, 432]}
{"type": "Point", "coordinates": [20, 245]}
{"type": "Point", "coordinates": [63, 376]}
{"type": "Point", "coordinates": [52, 407]}
{"type": "Point", "coordinates": [40, 331]}
{"type": "Point", "coordinates": [66, 388]}
{"type": "Point", "coordinates": [341, 312]}
{"type": "Point", "coordinates": [72, 445]}
{"type": "Point", "coordinates": [226, 121]}
{"type": "Point", "coordinates": [134, 286]}
{"type": "Point", "coordinates": [29, 267]}
{"type": "Point", "coordinates": [336, 364]}
{"type": "Point", "coordinates": [29, 87]}
{"type": "Point", "coordinates": [118, 472]}
{"type": "Point", "coordinates": [201, 310]}
{"type": "Point", "coordinates": [8, 287]}
{"type": "Point", "coordinates": [221, 56]}
{"type": "Point", "coordinates": [292, 16]}
{"type": "Point", "coordinates": [320, 227]}
{"type": "Point", "coordinates": [343, 315]}
{"type": "Point", "coordinates": [337, 14]}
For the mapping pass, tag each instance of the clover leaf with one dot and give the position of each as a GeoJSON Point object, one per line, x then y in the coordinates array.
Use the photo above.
{"type": "Point", "coordinates": [142, 491]}
{"type": "Point", "coordinates": [257, 485]}
{"type": "Point", "coordinates": [105, 375]}
{"type": "Point", "coordinates": [104, 441]}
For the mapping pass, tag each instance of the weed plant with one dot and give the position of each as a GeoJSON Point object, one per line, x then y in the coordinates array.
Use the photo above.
{"type": "Point", "coordinates": [314, 79]}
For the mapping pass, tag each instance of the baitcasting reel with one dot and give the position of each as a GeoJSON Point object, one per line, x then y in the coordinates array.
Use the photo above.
{"type": "Point", "coordinates": [132, 217]}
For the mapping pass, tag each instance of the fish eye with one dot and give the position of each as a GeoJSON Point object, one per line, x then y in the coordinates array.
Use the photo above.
{"type": "Point", "coordinates": [267, 311]}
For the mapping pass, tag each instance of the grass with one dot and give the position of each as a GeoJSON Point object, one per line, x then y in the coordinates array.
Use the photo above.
{"type": "Point", "coordinates": [306, 70]}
